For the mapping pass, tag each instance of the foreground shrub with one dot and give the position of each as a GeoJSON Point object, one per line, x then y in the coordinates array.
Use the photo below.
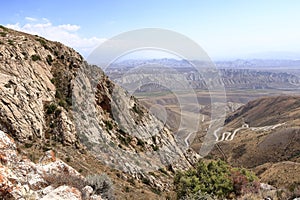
{"type": "Point", "coordinates": [214, 178]}
{"type": "Point", "coordinates": [101, 185]}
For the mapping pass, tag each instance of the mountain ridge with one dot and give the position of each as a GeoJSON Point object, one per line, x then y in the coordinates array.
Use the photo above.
{"type": "Point", "coordinates": [37, 108]}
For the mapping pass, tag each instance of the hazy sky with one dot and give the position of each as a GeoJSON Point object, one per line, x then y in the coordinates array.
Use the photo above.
{"type": "Point", "coordinates": [224, 28]}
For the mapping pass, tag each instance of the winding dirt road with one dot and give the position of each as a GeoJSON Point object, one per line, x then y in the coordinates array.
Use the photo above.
{"type": "Point", "coordinates": [228, 136]}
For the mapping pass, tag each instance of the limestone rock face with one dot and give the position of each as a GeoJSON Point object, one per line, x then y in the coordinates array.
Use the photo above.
{"type": "Point", "coordinates": [27, 64]}
{"type": "Point", "coordinates": [22, 179]}
{"type": "Point", "coordinates": [120, 131]}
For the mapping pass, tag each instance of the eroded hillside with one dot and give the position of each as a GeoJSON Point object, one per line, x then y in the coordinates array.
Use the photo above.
{"type": "Point", "coordinates": [266, 139]}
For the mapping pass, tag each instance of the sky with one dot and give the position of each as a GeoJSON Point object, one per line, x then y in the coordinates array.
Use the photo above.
{"type": "Point", "coordinates": [228, 29]}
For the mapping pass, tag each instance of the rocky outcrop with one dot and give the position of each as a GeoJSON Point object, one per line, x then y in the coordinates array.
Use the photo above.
{"type": "Point", "coordinates": [121, 132]}
{"type": "Point", "coordinates": [28, 66]}
{"type": "Point", "coordinates": [51, 178]}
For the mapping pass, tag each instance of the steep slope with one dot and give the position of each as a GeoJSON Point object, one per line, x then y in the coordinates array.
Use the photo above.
{"type": "Point", "coordinates": [267, 111]}
{"type": "Point", "coordinates": [52, 99]}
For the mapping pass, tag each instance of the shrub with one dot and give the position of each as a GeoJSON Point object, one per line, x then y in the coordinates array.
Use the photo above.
{"type": "Point", "coordinates": [127, 189]}
{"type": "Point", "coordinates": [49, 59]}
{"type": "Point", "coordinates": [63, 104]}
{"type": "Point", "coordinates": [102, 185]}
{"type": "Point", "coordinates": [28, 145]}
{"type": "Point", "coordinates": [215, 178]}
{"type": "Point", "coordinates": [140, 142]}
{"type": "Point", "coordinates": [109, 125]}
{"type": "Point", "coordinates": [10, 42]}
{"type": "Point", "coordinates": [155, 147]}
{"type": "Point", "coordinates": [43, 43]}
{"type": "Point", "coordinates": [65, 179]}
{"type": "Point", "coordinates": [131, 181]}
{"type": "Point", "coordinates": [57, 112]}
{"type": "Point", "coordinates": [35, 57]}
{"type": "Point", "coordinates": [51, 108]}
{"type": "Point", "coordinates": [162, 170]}
{"type": "Point", "coordinates": [145, 181]}
{"type": "Point", "coordinates": [137, 110]}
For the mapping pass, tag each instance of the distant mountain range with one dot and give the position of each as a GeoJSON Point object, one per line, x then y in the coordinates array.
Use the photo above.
{"type": "Point", "coordinates": [238, 63]}
{"type": "Point", "coordinates": [238, 74]}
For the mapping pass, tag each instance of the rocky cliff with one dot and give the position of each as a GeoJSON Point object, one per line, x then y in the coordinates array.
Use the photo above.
{"type": "Point", "coordinates": [50, 98]}
{"type": "Point", "coordinates": [50, 178]}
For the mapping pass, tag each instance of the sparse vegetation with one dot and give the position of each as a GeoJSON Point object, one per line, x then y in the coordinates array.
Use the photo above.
{"type": "Point", "coordinates": [49, 59]}
{"type": "Point", "coordinates": [162, 170]}
{"type": "Point", "coordinates": [11, 42]}
{"type": "Point", "coordinates": [50, 109]}
{"type": "Point", "coordinates": [102, 185]}
{"type": "Point", "coordinates": [137, 110]}
{"type": "Point", "coordinates": [28, 145]}
{"type": "Point", "coordinates": [145, 180]}
{"type": "Point", "coordinates": [125, 139]}
{"type": "Point", "coordinates": [140, 142]}
{"type": "Point", "coordinates": [57, 180]}
{"type": "Point", "coordinates": [109, 125]}
{"type": "Point", "coordinates": [43, 43]}
{"type": "Point", "coordinates": [63, 104]}
{"type": "Point", "coordinates": [35, 57]}
{"type": "Point", "coordinates": [215, 178]}
{"type": "Point", "coordinates": [155, 147]}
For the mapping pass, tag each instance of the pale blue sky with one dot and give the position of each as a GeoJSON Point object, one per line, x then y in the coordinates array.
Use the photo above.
{"type": "Point", "coordinates": [224, 28]}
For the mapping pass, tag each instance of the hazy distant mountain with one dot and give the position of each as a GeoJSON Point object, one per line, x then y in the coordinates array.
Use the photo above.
{"type": "Point", "coordinates": [237, 74]}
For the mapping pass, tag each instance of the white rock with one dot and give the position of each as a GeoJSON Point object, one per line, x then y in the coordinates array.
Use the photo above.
{"type": "Point", "coordinates": [63, 193]}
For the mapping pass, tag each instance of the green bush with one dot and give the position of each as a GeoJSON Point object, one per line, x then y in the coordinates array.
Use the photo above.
{"type": "Point", "coordinates": [63, 104]}
{"type": "Point", "coordinates": [11, 42]}
{"type": "Point", "coordinates": [215, 178]}
{"type": "Point", "coordinates": [35, 57]}
{"type": "Point", "coordinates": [49, 59]}
{"type": "Point", "coordinates": [125, 139]}
{"type": "Point", "coordinates": [140, 142]}
{"type": "Point", "coordinates": [109, 125]}
{"type": "Point", "coordinates": [51, 108]}
{"type": "Point", "coordinates": [28, 145]}
{"type": "Point", "coordinates": [145, 181]}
